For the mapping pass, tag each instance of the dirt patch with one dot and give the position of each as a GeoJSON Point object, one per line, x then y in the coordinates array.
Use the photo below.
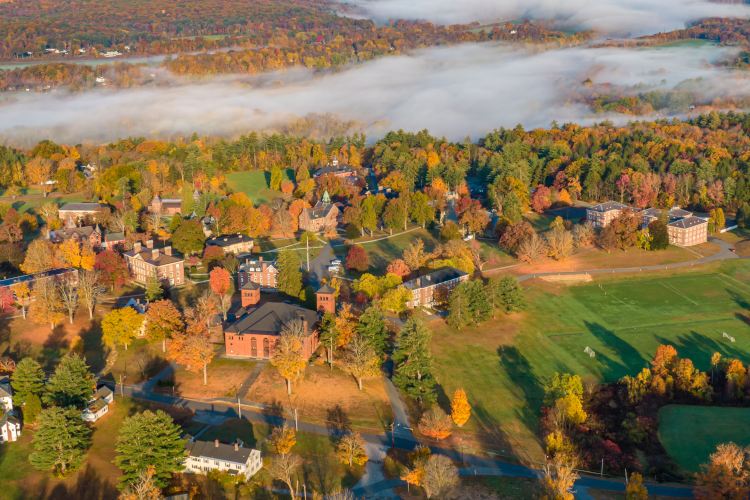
{"type": "Point", "coordinates": [573, 278]}
{"type": "Point", "coordinates": [327, 395]}
{"type": "Point", "coordinates": [225, 377]}
{"type": "Point", "coordinates": [707, 247]}
{"type": "Point", "coordinates": [742, 248]}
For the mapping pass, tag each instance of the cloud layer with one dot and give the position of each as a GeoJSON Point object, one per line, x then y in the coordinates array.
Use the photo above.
{"type": "Point", "coordinates": [456, 91]}
{"type": "Point", "coordinates": [613, 17]}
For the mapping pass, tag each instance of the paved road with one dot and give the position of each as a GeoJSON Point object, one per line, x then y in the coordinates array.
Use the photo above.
{"type": "Point", "coordinates": [319, 265]}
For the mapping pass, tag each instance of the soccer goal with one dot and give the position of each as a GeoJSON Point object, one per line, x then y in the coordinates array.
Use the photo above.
{"type": "Point", "coordinates": [589, 351]}
{"type": "Point", "coordinates": [727, 336]}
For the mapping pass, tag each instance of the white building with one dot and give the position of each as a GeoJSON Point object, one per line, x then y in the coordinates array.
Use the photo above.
{"type": "Point", "coordinates": [98, 405]}
{"type": "Point", "coordinates": [6, 394]}
{"type": "Point", "coordinates": [10, 428]}
{"type": "Point", "coordinates": [235, 459]}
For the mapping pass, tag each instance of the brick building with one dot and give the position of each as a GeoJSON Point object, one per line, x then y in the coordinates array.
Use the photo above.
{"type": "Point", "coordinates": [113, 241]}
{"type": "Point", "coordinates": [260, 272]}
{"type": "Point", "coordinates": [322, 215]}
{"type": "Point", "coordinates": [78, 211]}
{"type": "Point", "coordinates": [326, 299]}
{"type": "Point", "coordinates": [427, 290]}
{"type": "Point", "coordinates": [334, 168]}
{"type": "Point", "coordinates": [232, 243]}
{"type": "Point", "coordinates": [602, 214]}
{"type": "Point", "coordinates": [651, 214]}
{"type": "Point", "coordinates": [688, 231]}
{"type": "Point", "coordinates": [90, 236]}
{"type": "Point", "coordinates": [166, 206]}
{"type": "Point", "coordinates": [144, 263]}
{"type": "Point", "coordinates": [256, 331]}
{"type": "Point", "coordinates": [250, 293]}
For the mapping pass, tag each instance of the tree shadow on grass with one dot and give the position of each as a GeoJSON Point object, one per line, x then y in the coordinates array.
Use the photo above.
{"type": "Point", "coordinates": [338, 422]}
{"type": "Point", "coordinates": [54, 348]}
{"type": "Point", "coordinates": [88, 486]}
{"type": "Point", "coordinates": [93, 346]}
{"type": "Point", "coordinates": [629, 357]}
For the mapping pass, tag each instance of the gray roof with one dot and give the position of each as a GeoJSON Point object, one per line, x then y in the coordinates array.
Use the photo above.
{"type": "Point", "coordinates": [270, 317]}
{"type": "Point", "coordinates": [607, 207]}
{"type": "Point", "coordinates": [162, 259]}
{"type": "Point", "coordinates": [227, 240]}
{"type": "Point", "coordinates": [688, 222]}
{"type": "Point", "coordinates": [103, 392]}
{"type": "Point", "coordinates": [319, 211]}
{"type": "Point", "coordinates": [81, 207]}
{"type": "Point", "coordinates": [97, 405]}
{"type": "Point", "coordinates": [251, 285]}
{"type": "Point", "coordinates": [8, 418]}
{"type": "Point", "coordinates": [334, 169]}
{"type": "Point", "coordinates": [678, 213]}
{"type": "Point", "coordinates": [256, 263]}
{"type": "Point", "coordinates": [114, 236]}
{"type": "Point", "coordinates": [326, 289]}
{"type": "Point", "coordinates": [223, 452]}
{"type": "Point", "coordinates": [435, 278]}
{"type": "Point", "coordinates": [5, 391]}
{"type": "Point", "coordinates": [82, 232]}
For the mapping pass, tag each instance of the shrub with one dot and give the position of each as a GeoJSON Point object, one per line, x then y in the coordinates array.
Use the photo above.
{"type": "Point", "coordinates": [352, 232]}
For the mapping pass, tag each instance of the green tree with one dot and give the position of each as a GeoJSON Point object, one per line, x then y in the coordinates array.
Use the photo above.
{"type": "Point", "coordinates": [373, 328]}
{"type": "Point", "coordinates": [275, 178]}
{"type": "Point", "coordinates": [659, 235]}
{"type": "Point", "coordinates": [458, 306]}
{"type": "Point", "coordinates": [27, 379]}
{"type": "Point", "coordinates": [743, 216]}
{"type": "Point", "coordinates": [71, 385]}
{"type": "Point", "coordinates": [189, 237]}
{"type": "Point", "coordinates": [289, 279]}
{"type": "Point", "coordinates": [510, 294]}
{"type": "Point", "coordinates": [154, 290]}
{"type": "Point", "coordinates": [328, 334]}
{"type": "Point", "coordinates": [176, 221]}
{"type": "Point", "coordinates": [479, 305]}
{"type": "Point", "coordinates": [302, 174]}
{"type": "Point", "coordinates": [187, 203]}
{"type": "Point", "coordinates": [420, 209]}
{"type": "Point", "coordinates": [413, 362]}
{"type": "Point", "coordinates": [149, 439]}
{"type": "Point", "coordinates": [560, 385]}
{"type": "Point", "coordinates": [60, 441]}
{"type": "Point", "coordinates": [512, 207]}
{"type": "Point", "coordinates": [308, 236]}
{"type": "Point", "coordinates": [31, 409]}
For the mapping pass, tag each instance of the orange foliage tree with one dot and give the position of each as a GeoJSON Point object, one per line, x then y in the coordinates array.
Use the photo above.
{"type": "Point", "coordinates": [460, 409]}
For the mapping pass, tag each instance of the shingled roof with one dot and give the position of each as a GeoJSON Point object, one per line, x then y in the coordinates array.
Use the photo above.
{"type": "Point", "coordinates": [220, 451]}
{"type": "Point", "coordinates": [81, 207]}
{"type": "Point", "coordinates": [270, 317]}
{"type": "Point", "coordinates": [435, 278]}
{"type": "Point", "coordinates": [608, 206]}
{"type": "Point", "coordinates": [319, 211]}
{"type": "Point", "coordinates": [688, 222]}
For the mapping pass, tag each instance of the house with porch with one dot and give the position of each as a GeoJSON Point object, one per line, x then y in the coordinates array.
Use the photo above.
{"type": "Point", "coordinates": [234, 459]}
{"type": "Point", "coordinates": [98, 406]}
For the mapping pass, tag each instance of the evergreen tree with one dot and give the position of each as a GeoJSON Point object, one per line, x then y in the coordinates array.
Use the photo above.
{"type": "Point", "coordinates": [328, 334]}
{"type": "Point", "coordinates": [154, 290]}
{"type": "Point", "coordinates": [187, 203]}
{"type": "Point", "coordinates": [511, 294]}
{"type": "Point", "coordinates": [31, 409]}
{"type": "Point", "coordinates": [275, 178]}
{"type": "Point", "coordinates": [458, 306]}
{"type": "Point", "coordinates": [176, 221]}
{"type": "Point", "coordinates": [492, 292]}
{"type": "Point", "coordinates": [302, 174]}
{"type": "Point", "coordinates": [413, 362]}
{"type": "Point", "coordinates": [479, 305]}
{"type": "Point", "coordinates": [72, 384]}
{"type": "Point", "coordinates": [27, 379]}
{"type": "Point", "coordinates": [511, 207]}
{"type": "Point", "coordinates": [659, 235]}
{"type": "Point", "coordinates": [743, 216]}
{"type": "Point", "coordinates": [373, 328]}
{"type": "Point", "coordinates": [289, 279]}
{"type": "Point", "coordinates": [60, 441]}
{"type": "Point", "coordinates": [149, 439]}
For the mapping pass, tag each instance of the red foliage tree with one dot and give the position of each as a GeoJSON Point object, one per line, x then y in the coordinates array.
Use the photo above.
{"type": "Point", "coordinates": [6, 297]}
{"type": "Point", "coordinates": [357, 259]}
{"type": "Point", "coordinates": [212, 253]}
{"type": "Point", "coordinates": [399, 268]}
{"type": "Point", "coordinates": [114, 269]}
{"type": "Point", "coordinates": [540, 200]}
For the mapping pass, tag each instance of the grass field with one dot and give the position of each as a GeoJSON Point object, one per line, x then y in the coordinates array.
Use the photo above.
{"type": "Point", "coordinates": [503, 364]}
{"type": "Point", "coordinates": [255, 184]}
{"type": "Point", "coordinates": [60, 199]}
{"type": "Point", "coordinates": [125, 365]}
{"type": "Point", "coordinates": [707, 427]}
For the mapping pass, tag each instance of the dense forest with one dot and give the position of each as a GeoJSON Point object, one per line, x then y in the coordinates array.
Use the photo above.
{"type": "Point", "coordinates": [701, 163]}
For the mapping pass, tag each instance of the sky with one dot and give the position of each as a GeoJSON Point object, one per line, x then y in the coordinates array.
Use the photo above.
{"type": "Point", "coordinates": [456, 91]}
{"type": "Point", "coordinates": [609, 17]}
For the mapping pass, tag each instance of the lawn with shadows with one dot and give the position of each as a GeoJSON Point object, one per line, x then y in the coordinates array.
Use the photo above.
{"type": "Point", "coordinates": [504, 363]}
{"type": "Point", "coordinates": [707, 427]}
{"type": "Point", "coordinates": [256, 184]}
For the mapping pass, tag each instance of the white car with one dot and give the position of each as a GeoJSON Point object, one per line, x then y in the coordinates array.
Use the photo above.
{"type": "Point", "coordinates": [336, 262]}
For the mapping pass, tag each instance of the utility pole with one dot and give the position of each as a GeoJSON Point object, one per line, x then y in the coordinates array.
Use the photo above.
{"type": "Point", "coordinates": [308, 254]}
{"type": "Point", "coordinates": [304, 488]}
{"type": "Point", "coordinates": [393, 438]}
{"type": "Point", "coordinates": [296, 429]}
{"type": "Point", "coordinates": [122, 377]}
{"type": "Point", "coordinates": [330, 357]}
{"type": "Point", "coordinates": [239, 407]}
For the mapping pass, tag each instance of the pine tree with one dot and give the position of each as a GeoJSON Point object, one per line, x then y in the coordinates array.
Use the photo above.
{"type": "Point", "coordinates": [31, 409]}
{"type": "Point", "coordinates": [328, 334]}
{"type": "Point", "coordinates": [149, 439]}
{"type": "Point", "coordinates": [27, 379]}
{"type": "Point", "coordinates": [275, 178]}
{"type": "Point", "coordinates": [154, 290]}
{"type": "Point", "coordinates": [458, 305]}
{"type": "Point", "coordinates": [479, 305]}
{"type": "Point", "coordinates": [511, 294]}
{"type": "Point", "coordinates": [289, 279]}
{"type": "Point", "coordinates": [187, 202]}
{"type": "Point", "coordinates": [414, 362]}
{"type": "Point", "coordinates": [372, 327]}
{"type": "Point", "coordinates": [60, 441]}
{"type": "Point", "coordinates": [176, 221]}
{"type": "Point", "coordinates": [72, 384]}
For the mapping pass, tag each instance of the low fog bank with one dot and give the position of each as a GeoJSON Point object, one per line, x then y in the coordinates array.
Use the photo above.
{"type": "Point", "coordinates": [611, 17]}
{"type": "Point", "coordinates": [456, 91]}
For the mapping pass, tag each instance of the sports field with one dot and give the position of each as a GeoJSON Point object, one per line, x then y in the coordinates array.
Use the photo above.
{"type": "Point", "coordinates": [504, 364]}
{"type": "Point", "coordinates": [707, 427]}
{"type": "Point", "coordinates": [255, 184]}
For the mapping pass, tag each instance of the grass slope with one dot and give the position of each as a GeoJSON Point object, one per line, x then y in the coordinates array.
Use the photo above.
{"type": "Point", "coordinates": [256, 184]}
{"type": "Point", "coordinates": [707, 427]}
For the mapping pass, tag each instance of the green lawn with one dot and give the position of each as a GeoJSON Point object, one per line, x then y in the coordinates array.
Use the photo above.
{"type": "Point", "coordinates": [707, 427]}
{"type": "Point", "coordinates": [125, 364]}
{"type": "Point", "coordinates": [60, 199]}
{"type": "Point", "coordinates": [504, 364]}
{"type": "Point", "coordinates": [256, 184]}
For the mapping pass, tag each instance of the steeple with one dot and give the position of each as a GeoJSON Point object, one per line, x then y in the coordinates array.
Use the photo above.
{"type": "Point", "coordinates": [335, 160]}
{"type": "Point", "coordinates": [326, 199]}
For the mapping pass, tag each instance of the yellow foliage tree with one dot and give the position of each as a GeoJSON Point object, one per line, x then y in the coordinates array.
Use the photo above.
{"type": "Point", "coordinates": [121, 326]}
{"type": "Point", "coordinates": [460, 409]}
{"type": "Point", "coordinates": [23, 294]}
{"type": "Point", "coordinates": [39, 257]}
{"type": "Point", "coordinates": [283, 439]}
{"type": "Point", "coordinates": [70, 253]}
{"type": "Point", "coordinates": [288, 355]}
{"type": "Point", "coordinates": [345, 323]}
{"type": "Point", "coordinates": [88, 259]}
{"type": "Point", "coordinates": [635, 489]}
{"type": "Point", "coordinates": [351, 450]}
{"type": "Point", "coordinates": [45, 304]}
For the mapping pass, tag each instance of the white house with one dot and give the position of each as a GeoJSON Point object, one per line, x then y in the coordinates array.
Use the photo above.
{"type": "Point", "coordinates": [10, 428]}
{"type": "Point", "coordinates": [98, 405]}
{"type": "Point", "coordinates": [233, 459]}
{"type": "Point", "coordinates": [6, 394]}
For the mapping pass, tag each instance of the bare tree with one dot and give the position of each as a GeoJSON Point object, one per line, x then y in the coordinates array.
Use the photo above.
{"type": "Point", "coordinates": [142, 361]}
{"type": "Point", "coordinates": [531, 249]}
{"type": "Point", "coordinates": [283, 221]}
{"type": "Point", "coordinates": [66, 289]}
{"type": "Point", "coordinates": [559, 244]}
{"type": "Point", "coordinates": [475, 249]}
{"type": "Point", "coordinates": [440, 477]}
{"type": "Point", "coordinates": [583, 234]}
{"type": "Point", "coordinates": [48, 211]}
{"type": "Point", "coordinates": [559, 476]}
{"type": "Point", "coordinates": [231, 264]}
{"type": "Point", "coordinates": [181, 169]}
{"type": "Point", "coordinates": [117, 222]}
{"type": "Point", "coordinates": [341, 495]}
{"type": "Point", "coordinates": [90, 289]}
{"type": "Point", "coordinates": [283, 468]}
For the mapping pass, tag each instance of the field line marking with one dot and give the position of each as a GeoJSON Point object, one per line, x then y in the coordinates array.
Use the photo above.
{"type": "Point", "coordinates": [741, 283]}
{"type": "Point", "coordinates": [606, 292]}
{"type": "Point", "coordinates": [678, 292]}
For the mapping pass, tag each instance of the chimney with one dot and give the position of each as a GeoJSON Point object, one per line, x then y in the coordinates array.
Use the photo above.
{"type": "Point", "coordinates": [260, 259]}
{"type": "Point", "coordinates": [304, 323]}
{"type": "Point", "coordinates": [236, 447]}
{"type": "Point", "coordinates": [154, 254]}
{"type": "Point", "coordinates": [167, 250]}
{"type": "Point", "coordinates": [150, 244]}
{"type": "Point", "coordinates": [137, 247]}
{"type": "Point", "coordinates": [217, 443]}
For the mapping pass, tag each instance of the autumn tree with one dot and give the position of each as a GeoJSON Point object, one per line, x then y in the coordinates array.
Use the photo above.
{"type": "Point", "coordinates": [724, 476]}
{"type": "Point", "coordinates": [67, 291]}
{"type": "Point", "coordinates": [40, 256]}
{"type": "Point", "coordinates": [351, 450]}
{"type": "Point", "coordinates": [220, 282]}
{"type": "Point", "coordinates": [162, 321]}
{"type": "Point", "coordinates": [121, 326]}
{"type": "Point", "coordinates": [275, 183]}
{"type": "Point", "coordinates": [608, 238]}
{"type": "Point", "coordinates": [560, 244]}
{"type": "Point", "coordinates": [45, 304]}
{"type": "Point", "coordinates": [559, 478]}
{"type": "Point", "coordinates": [460, 409]}
{"type": "Point", "coordinates": [399, 268]}
{"type": "Point", "coordinates": [415, 256]}
{"type": "Point", "coordinates": [288, 354]}
{"type": "Point", "coordinates": [7, 298]}
{"type": "Point", "coordinates": [440, 477]}
{"type": "Point", "coordinates": [357, 259]}
{"type": "Point", "coordinates": [70, 253]}
{"type": "Point", "coordinates": [362, 361]}
{"type": "Point", "coordinates": [635, 490]}
{"type": "Point", "coordinates": [283, 439]}
{"type": "Point", "coordinates": [143, 488]}
{"type": "Point", "coordinates": [283, 468]}
{"type": "Point", "coordinates": [113, 267]}
{"type": "Point", "coordinates": [189, 237]}
{"type": "Point", "coordinates": [192, 347]}
{"type": "Point", "coordinates": [23, 296]}
{"type": "Point", "coordinates": [90, 289]}
{"type": "Point", "coordinates": [435, 424]}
